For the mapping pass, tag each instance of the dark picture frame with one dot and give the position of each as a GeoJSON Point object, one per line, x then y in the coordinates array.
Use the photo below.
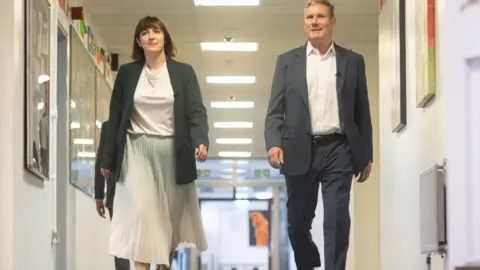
{"type": "Point", "coordinates": [399, 85]}
{"type": "Point", "coordinates": [37, 87]}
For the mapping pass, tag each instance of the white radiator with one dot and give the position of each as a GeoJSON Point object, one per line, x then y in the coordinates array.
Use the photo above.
{"type": "Point", "coordinates": [432, 210]}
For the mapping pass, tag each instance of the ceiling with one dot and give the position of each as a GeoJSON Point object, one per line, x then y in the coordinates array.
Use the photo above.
{"type": "Point", "coordinates": [277, 25]}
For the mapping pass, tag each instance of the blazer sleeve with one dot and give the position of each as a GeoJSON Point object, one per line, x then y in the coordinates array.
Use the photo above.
{"type": "Point", "coordinates": [362, 109]}
{"type": "Point", "coordinates": [196, 112]}
{"type": "Point", "coordinates": [110, 153]}
{"type": "Point", "coordinates": [275, 112]}
{"type": "Point", "coordinates": [99, 180]}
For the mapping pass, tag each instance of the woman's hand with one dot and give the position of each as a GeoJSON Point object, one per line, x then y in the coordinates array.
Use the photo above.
{"type": "Point", "coordinates": [107, 174]}
{"type": "Point", "coordinates": [201, 153]}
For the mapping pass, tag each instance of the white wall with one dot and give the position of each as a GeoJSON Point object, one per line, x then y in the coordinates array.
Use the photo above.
{"type": "Point", "coordinates": [405, 155]}
{"type": "Point", "coordinates": [24, 199]}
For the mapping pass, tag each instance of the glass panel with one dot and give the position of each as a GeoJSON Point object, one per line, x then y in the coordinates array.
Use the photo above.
{"type": "Point", "coordinates": [251, 169]}
{"type": "Point", "coordinates": [82, 117]}
{"type": "Point", "coordinates": [258, 193]}
{"type": "Point", "coordinates": [103, 93]}
{"type": "Point", "coordinates": [216, 193]}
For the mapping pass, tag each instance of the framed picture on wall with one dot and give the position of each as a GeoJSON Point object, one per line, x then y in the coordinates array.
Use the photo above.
{"type": "Point", "coordinates": [398, 80]}
{"type": "Point", "coordinates": [37, 87]}
{"type": "Point", "coordinates": [425, 52]}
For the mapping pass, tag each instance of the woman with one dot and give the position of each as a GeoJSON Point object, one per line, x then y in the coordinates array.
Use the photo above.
{"type": "Point", "coordinates": [157, 127]}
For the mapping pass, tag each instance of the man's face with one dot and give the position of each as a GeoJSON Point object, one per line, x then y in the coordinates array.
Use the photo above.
{"type": "Point", "coordinates": [318, 24]}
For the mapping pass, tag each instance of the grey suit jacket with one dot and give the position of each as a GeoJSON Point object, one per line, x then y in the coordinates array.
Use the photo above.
{"type": "Point", "coordinates": [287, 124]}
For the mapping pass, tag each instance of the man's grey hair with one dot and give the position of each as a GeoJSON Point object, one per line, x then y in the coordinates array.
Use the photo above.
{"type": "Point", "coordinates": [331, 7]}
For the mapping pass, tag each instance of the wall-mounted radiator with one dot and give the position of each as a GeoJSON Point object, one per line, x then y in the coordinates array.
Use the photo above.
{"type": "Point", "coordinates": [433, 233]}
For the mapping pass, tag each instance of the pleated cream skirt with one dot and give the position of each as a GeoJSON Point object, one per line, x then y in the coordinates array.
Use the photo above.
{"type": "Point", "coordinates": [153, 216]}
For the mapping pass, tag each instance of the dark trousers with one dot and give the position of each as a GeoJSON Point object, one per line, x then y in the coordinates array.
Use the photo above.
{"type": "Point", "coordinates": [332, 168]}
{"type": "Point", "coordinates": [120, 263]}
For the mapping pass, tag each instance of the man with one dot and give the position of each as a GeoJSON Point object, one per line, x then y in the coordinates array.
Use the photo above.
{"type": "Point", "coordinates": [120, 264]}
{"type": "Point", "coordinates": [318, 130]}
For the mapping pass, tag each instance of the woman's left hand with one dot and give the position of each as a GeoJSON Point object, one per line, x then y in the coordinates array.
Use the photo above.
{"type": "Point", "coordinates": [201, 153]}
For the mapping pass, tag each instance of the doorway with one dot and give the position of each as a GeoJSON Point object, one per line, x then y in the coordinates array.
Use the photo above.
{"type": "Point", "coordinates": [245, 225]}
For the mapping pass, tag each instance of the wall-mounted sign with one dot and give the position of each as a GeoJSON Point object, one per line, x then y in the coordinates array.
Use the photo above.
{"type": "Point", "coordinates": [261, 173]}
{"type": "Point", "coordinates": [203, 173]}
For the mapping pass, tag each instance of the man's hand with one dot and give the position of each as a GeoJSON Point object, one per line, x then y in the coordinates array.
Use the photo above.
{"type": "Point", "coordinates": [100, 208]}
{"type": "Point", "coordinates": [366, 173]}
{"type": "Point", "coordinates": [275, 157]}
{"type": "Point", "coordinates": [201, 153]}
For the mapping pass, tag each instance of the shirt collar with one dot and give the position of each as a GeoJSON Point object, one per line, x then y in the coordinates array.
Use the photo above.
{"type": "Point", "coordinates": [311, 50]}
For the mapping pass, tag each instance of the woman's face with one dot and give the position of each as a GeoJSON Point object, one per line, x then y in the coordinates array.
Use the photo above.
{"type": "Point", "coordinates": [151, 40]}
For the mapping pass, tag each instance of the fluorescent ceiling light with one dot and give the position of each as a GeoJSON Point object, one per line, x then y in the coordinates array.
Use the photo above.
{"type": "Point", "coordinates": [232, 124]}
{"type": "Point", "coordinates": [231, 79]}
{"type": "Point", "coordinates": [232, 104]}
{"type": "Point", "coordinates": [239, 162]}
{"type": "Point", "coordinates": [238, 154]}
{"type": "Point", "coordinates": [43, 78]}
{"type": "Point", "coordinates": [234, 141]}
{"type": "Point", "coordinates": [74, 125]}
{"type": "Point", "coordinates": [237, 171]}
{"type": "Point", "coordinates": [83, 141]}
{"type": "Point", "coordinates": [229, 46]}
{"type": "Point", "coordinates": [264, 195]}
{"type": "Point", "coordinates": [98, 123]}
{"type": "Point", "coordinates": [227, 3]}
{"type": "Point", "coordinates": [86, 154]}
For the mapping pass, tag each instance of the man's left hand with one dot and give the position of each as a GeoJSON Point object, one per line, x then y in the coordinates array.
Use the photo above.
{"type": "Point", "coordinates": [366, 173]}
{"type": "Point", "coordinates": [201, 153]}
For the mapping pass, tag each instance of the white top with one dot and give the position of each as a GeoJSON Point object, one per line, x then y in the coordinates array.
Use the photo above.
{"type": "Point", "coordinates": [153, 103]}
{"type": "Point", "coordinates": [322, 91]}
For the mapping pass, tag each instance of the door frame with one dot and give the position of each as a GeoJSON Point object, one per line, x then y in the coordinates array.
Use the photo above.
{"type": "Point", "coordinates": [274, 205]}
{"type": "Point", "coordinates": [460, 70]}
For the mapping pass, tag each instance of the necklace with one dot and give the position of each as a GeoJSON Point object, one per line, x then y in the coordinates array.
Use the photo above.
{"type": "Point", "coordinates": [152, 76]}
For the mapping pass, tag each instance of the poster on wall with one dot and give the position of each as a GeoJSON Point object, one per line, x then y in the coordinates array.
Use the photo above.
{"type": "Point", "coordinates": [259, 228]}
{"type": "Point", "coordinates": [425, 52]}
{"type": "Point", "coordinates": [398, 74]}
{"type": "Point", "coordinates": [37, 87]}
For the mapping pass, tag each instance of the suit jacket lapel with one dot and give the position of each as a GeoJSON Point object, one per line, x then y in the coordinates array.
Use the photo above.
{"type": "Point", "coordinates": [175, 77]}
{"type": "Point", "coordinates": [176, 80]}
{"type": "Point", "coordinates": [301, 67]}
{"type": "Point", "coordinates": [340, 75]}
{"type": "Point", "coordinates": [132, 81]}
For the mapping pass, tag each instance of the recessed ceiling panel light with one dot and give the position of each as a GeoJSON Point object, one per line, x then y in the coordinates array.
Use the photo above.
{"type": "Point", "coordinates": [74, 125]}
{"type": "Point", "coordinates": [83, 141]}
{"type": "Point", "coordinates": [86, 154]}
{"type": "Point", "coordinates": [233, 124]}
{"type": "Point", "coordinates": [227, 3]}
{"type": "Point", "coordinates": [229, 46]}
{"type": "Point", "coordinates": [239, 162]}
{"type": "Point", "coordinates": [234, 141]}
{"type": "Point", "coordinates": [237, 154]}
{"type": "Point", "coordinates": [232, 104]}
{"type": "Point", "coordinates": [231, 79]}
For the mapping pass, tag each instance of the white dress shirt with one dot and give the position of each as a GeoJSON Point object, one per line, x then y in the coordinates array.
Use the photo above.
{"type": "Point", "coordinates": [322, 91]}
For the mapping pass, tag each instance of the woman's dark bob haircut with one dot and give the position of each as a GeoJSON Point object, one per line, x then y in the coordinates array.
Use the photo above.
{"type": "Point", "coordinates": [152, 22]}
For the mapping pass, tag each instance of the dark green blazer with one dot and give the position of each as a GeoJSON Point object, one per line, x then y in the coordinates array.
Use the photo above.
{"type": "Point", "coordinates": [191, 125]}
